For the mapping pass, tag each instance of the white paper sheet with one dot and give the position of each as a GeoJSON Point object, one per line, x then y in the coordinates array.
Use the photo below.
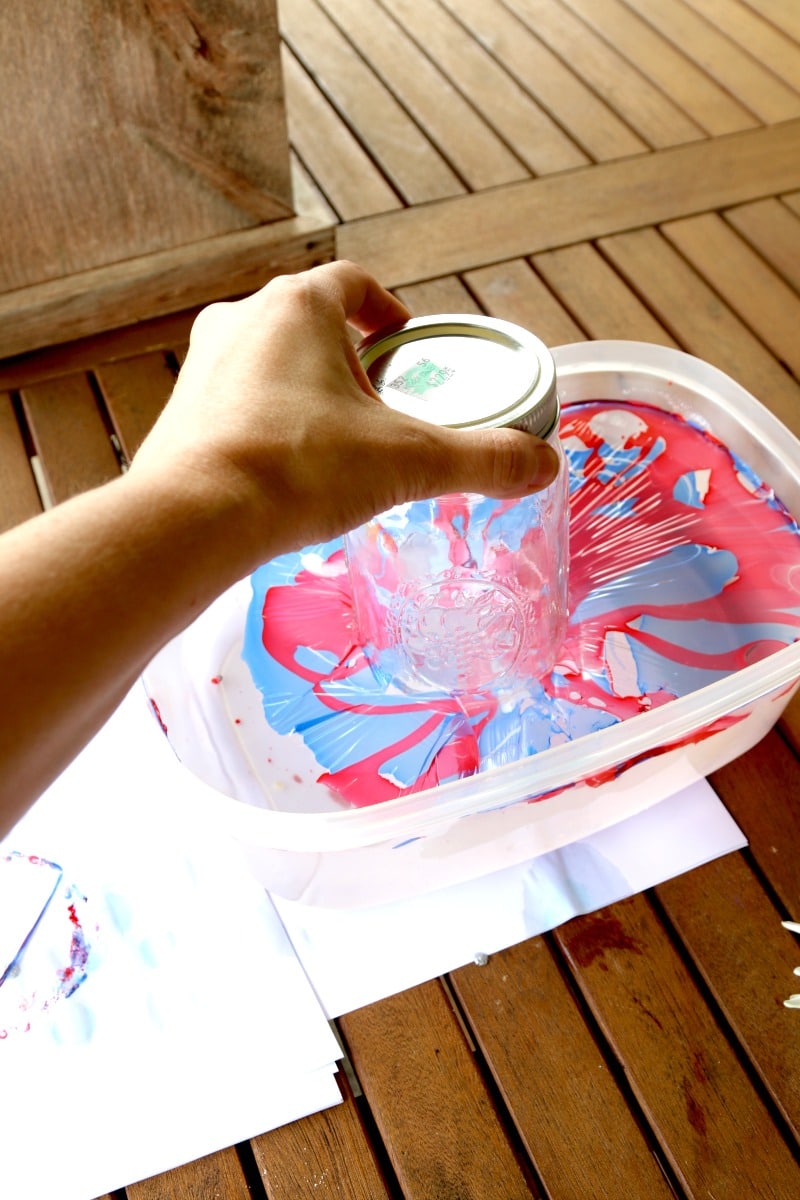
{"type": "Point", "coordinates": [356, 956]}
{"type": "Point", "coordinates": [196, 1025]}
{"type": "Point", "coordinates": [158, 1012]}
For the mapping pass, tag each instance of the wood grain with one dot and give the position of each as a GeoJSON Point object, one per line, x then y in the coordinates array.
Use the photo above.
{"type": "Point", "coordinates": [327, 1155]}
{"type": "Point", "coordinates": [69, 435]}
{"type": "Point", "coordinates": [734, 936]}
{"type": "Point", "coordinates": [166, 282]}
{"type": "Point", "coordinates": [525, 218]}
{"type": "Point", "coordinates": [136, 129]}
{"type": "Point", "coordinates": [135, 391]}
{"type": "Point", "coordinates": [217, 1175]}
{"type": "Point", "coordinates": [434, 1112]}
{"type": "Point", "coordinates": [696, 1096]}
{"type": "Point", "coordinates": [576, 1125]}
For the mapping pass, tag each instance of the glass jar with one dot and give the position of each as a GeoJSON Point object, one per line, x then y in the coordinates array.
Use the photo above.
{"type": "Point", "coordinates": [463, 593]}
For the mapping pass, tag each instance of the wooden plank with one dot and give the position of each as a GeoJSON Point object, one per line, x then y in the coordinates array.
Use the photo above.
{"type": "Point", "coordinates": [710, 106]}
{"type": "Point", "coordinates": [774, 231]}
{"type": "Point", "coordinates": [699, 320]}
{"type": "Point", "coordinates": [581, 1135]}
{"type": "Point", "coordinates": [784, 16]}
{"type": "Point", "coordinates": [135, 391]}
{"type": "Point", "coordinates": [759, 789]}
{"type": "Point", "coordinates": [514, 292]}
{"type": "Point", "coordinates": [534, 136]}
{"type": "Point", "coordinates": [438, 296]}
{"type": "Point", "coordinates": [416, 170]}
{"type": "Point", "coordinates": [184, 108]}
{"type": "Point", "coordinates": [758, 37]}
{"type": "Point", "coordinates": [157, 284]}
{"type": "Point", "coordinates": [585, 117]}
{"type": "Point", "coordinates": [353, 185]}
{"type": "Point", "coordinates": [734, 937]}
{"type": "Point", "coordinates": [19, 496]}
{"type": "Point", "coordinates": [752, 83]}
{"type": "Point", "coordinates": [511, 291]}
{"type": "Point", "coordinates": [218, 1174]}
{"type": "Point", "coordinates": [596, 296]}
{"type": "Point", "coordinates": [765, 303]}
{"type": "Point", "coordinates": [432, 1108]}
{"type": "Point", "coordinates": [327, 1155]}
{"type": "Point", "coordinates": [525, 218]}
{"type": "Point", "coordinates": [686, 1076]}
{"type": "Point", "coordinates": [51, 362]}
{"type": "Point", "coordinates": [479, 157]}
{"type": "Point", "coordinates": [69, 435]}
{"type": "Point", "coordinates": [644, 107]}
{"type": "Point", "coordinates": [308, 196]}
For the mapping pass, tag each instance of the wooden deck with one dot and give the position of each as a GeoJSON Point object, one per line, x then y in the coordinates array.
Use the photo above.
{"type": "Point", "coordinates": [590, 169]}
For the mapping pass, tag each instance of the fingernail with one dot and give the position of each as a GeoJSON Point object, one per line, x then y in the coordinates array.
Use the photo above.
{"type": "Point", "coordinates": [546, 468]}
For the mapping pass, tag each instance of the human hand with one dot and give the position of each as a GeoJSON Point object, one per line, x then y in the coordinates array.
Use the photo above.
{"type": "Point", "coordinates": [273, 406]}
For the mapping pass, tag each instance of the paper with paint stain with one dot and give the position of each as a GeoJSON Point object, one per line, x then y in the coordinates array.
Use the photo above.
{"type": "Point", "coordinates": [154, 1010]}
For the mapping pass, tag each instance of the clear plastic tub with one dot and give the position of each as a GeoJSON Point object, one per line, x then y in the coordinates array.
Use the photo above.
{"type": "Point", "coordinates": [304, 843]}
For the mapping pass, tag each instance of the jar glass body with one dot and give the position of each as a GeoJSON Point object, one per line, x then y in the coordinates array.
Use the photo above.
{"type": "Point", "coordinates": [463, 593]}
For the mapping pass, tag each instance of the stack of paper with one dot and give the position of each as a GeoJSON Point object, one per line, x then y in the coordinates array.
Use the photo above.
{"type": "Point", "coordinates": [156, 1005]}
{"type": "Point", "coordinates": [152, 1009]}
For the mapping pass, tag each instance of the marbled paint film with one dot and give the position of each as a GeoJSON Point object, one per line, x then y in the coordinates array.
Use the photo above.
{"type": "Point", "coordinates": [684, 568]}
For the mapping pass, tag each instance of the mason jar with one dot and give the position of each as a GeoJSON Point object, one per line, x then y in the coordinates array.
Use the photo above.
{"type": "Point", "coordinates": [464, 593]}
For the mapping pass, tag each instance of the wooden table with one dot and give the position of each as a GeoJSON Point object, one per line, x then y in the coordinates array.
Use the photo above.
{"type": "Point", "coordinates": [591, 169]}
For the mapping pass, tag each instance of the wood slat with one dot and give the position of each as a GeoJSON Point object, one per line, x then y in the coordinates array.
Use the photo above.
{"type": "Point", "coordinates": [710, 106]}
{"type": "Point", "coordinates": [734, 936]}
{"type": "Point", "coordinates": [644, 107]}
{"type": "Point", "coordinates": [753, 84]}
{"type": "Point", "coordinates": [352, 183]}
{"type": "Point", "coordinates": [438, 296]}
{"type": "Point", "coordinates": [767, 305]}
{"type": "Point", "coordinates": [160, 333]}
{"type": "Point", "coordinates": [773, 230]}
{"type": "Point", "coordinates": [417, 171]}
{"type": "Point", "coordinates": [514, 292]}
{"type": "Point", "coordinates": [716, 1132]}
{"type": "Point", "coordinates": [158, 284]}
{"type": "Point", "coordinates": [597, 297]}
{"type": "Point", "coordinates": [327, 1155]}
{"type": "Point", "coordinates": [431, 1105]}
{"type": "Point", "coordinates": [217, 1175]}
{"type": "Point", "coordinates": [585, 117]}
{"type": "Point", "coordinates": [533, 135]}
{"type": "Point", "coordinates": [541, 214]}
{"type": "Point", "coordinates": [760, 789]}
{"type": "Point", "coordinates": [19, 496]}
{"type": "Point", "coordinates": [479, 157]}
{"type": "Point", "coordinates": [784, 16]}
{"type": "Point", "coordinates": [70, 437]}
{"type": "Point", "coordinates": [700, 321]}
{"type": "Point", "coordinates": [758, 37]}
{"type": "Point", "coordinates": [135, 391]}
{"type": "Point", "coordinates": [575, 1123]}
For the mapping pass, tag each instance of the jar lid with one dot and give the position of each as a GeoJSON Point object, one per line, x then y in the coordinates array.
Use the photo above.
{"type": "Point", "coordinates": [465, 372]}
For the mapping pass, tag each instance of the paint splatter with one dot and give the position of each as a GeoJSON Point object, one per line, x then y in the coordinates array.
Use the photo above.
{"type": "Point", "coordinates": [684, 568]}
{"type": "Point", "coordinates": [47, 956]}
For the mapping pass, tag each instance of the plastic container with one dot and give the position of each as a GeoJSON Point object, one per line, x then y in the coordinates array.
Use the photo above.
{"type": "Point", "coordinates": [464, 593]}
{"type": "Point", "coordinates": [304, 844]}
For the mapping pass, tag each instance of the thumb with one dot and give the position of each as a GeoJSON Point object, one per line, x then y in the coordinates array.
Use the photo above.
{"type": "Point", "coordinates": [502, 463]}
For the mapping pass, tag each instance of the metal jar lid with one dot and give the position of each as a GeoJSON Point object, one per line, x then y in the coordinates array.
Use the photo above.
{"type": "Point", "coordinates": [465, 372]}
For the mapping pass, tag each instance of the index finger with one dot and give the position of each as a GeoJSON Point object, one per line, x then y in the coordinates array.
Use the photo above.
{"type": "Point", "coordinates": [366, 304]}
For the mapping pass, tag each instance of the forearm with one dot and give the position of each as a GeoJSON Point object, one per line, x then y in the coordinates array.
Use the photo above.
{"type": "Point", "coordinates": [88, 593]}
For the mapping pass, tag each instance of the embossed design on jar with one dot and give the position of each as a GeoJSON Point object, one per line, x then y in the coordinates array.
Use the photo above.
{"type": "Point", "coordinates": [459, 634]}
